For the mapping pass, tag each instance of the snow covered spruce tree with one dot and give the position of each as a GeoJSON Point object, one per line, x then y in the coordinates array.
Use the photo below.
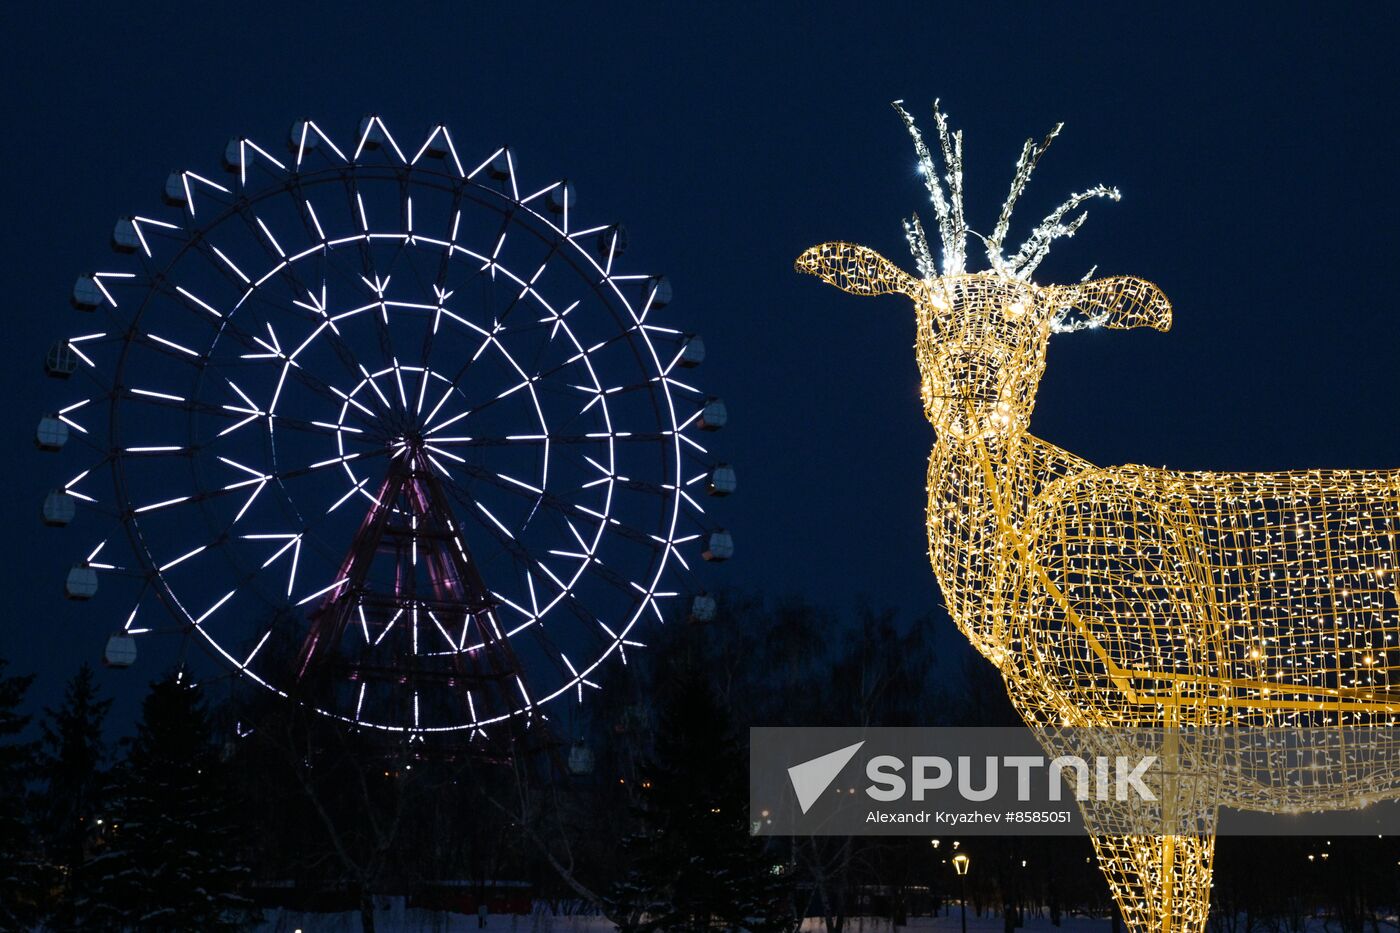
{"type": "Point", "coordinates": [693, 863]}
{"type": "Point", "coordinates": [168, 854]}
{"type": "Point", "coordinates": [71, 765]}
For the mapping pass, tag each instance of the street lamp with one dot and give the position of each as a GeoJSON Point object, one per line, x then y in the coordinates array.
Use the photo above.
{"type": "Point", "coordinates": [960, 864]}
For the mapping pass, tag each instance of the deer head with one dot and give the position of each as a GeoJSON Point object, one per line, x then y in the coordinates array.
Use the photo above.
{"type": "Point", "coordinates": [982, 336]}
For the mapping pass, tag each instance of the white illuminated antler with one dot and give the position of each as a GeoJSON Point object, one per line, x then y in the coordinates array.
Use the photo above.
{"type": "Point", "coordinates": [945, 190]}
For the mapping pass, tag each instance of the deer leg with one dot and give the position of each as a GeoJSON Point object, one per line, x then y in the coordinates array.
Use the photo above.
{"type": "Point", "coordinates": [1160, 883]}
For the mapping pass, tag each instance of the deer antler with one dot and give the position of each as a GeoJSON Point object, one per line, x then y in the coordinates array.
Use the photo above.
{"type": "Point", "coordinates": [948, 206]}
{"type": "Point", "coordinates": [952, 228]}
{"type": "Point", "coordinates": [1025, 165]}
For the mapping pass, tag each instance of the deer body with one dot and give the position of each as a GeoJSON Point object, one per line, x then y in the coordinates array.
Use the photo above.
{"type": "Point", "coordinates": [1261, 599]}
{"type": "Point", "coordinates": [1119, 592]}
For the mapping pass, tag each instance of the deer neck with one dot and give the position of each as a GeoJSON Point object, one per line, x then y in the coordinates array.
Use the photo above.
{"type": "Point", "coordinates": [980, 495]}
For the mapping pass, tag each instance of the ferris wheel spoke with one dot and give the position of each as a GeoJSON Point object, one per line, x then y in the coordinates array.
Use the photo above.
{"type": "Point", "coordinates": [440, 310]}
{"type": "Point", "coordinates": [288, 543]}
{"type": "Point", "coordinates": [311, 303]}
{"type": "Point", "coordinates": [489, 337]}
{"type": "Point", "coordinates": [650, 385]}
{"type": "Point", "coordinates": [369, 271]}
{"type": "Point", "coordinates": [439, 286]}
{"type": "Point", "coordinates": [597, 397]}
{"type": "Point", "coordinates": [594, 439]}
{"type": "Point", "coordinates": [605, 475]}
{"type": "Point", "coordinates": [239, 415]}
{"type": "Point", "coordinates": [253, 485]}
{"type": "Point", "coordinates": [321, 387]}
{"type": "Point", "coordinates": [284, 552]}
{"type": "Point", "coordinates": [533, 622]}
{"type": "Point", "coordinates": [523, 557]}
{"type": "Point", "coordinates": [258, 348]}
{"type": "Point", "coordinates": [333, 257]}
{"type": "Point", "coordinates": [537, 631]}
{"type": "Point", "coordinates": [636, 485]}
{"type": "Point", "coordinates": [226, 541]}
{"type": "Point", "coordinates": [403, 253]}
{"type": "Point", "coordinates": [527, 286]}
{"type": "Point", "coordinates": [528, 381]}
{"type": "Point", "coordinates": [543, 499]}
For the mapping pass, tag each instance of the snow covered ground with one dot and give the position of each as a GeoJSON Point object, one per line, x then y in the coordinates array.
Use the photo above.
{"type": "Point", "coordinates": [394, 917]}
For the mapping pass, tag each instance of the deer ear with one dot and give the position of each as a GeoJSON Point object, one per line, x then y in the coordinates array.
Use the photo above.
{"type": "Point", "coordinates": [858, 270]}
{"type": "Point", "coordinates": [1121, 302]}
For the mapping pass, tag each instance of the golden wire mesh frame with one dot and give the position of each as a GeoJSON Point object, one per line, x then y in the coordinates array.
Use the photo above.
{"type": "Point", "coordinates": [1132, 596]}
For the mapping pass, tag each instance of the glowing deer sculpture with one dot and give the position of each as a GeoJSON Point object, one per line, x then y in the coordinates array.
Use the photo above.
{"type": "Point", "coordinates": [1131, 596]}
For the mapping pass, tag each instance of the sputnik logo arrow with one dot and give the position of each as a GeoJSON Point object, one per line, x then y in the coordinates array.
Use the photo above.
{"type": "Point", "coordinates": [811, 778]}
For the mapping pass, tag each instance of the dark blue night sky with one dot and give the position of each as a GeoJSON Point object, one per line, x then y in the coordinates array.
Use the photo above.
{"type": "Point", "coordinates": [1255, 148]}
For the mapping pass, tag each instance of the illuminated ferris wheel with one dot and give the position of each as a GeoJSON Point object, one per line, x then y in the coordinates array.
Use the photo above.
{"type": "Point", "coordinates": [389, 432]}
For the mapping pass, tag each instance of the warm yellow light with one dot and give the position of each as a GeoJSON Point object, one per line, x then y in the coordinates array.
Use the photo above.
{"type": "Point", "coordinates": [1133, 596]}
{"type": "Point", "coordinates": [961, 863]}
